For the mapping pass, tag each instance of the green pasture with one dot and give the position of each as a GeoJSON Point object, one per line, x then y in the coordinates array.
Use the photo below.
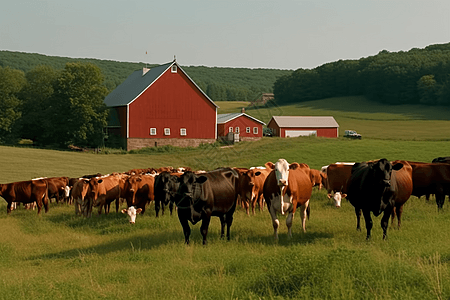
{"type": "Point", "coordinates": [58, 255]}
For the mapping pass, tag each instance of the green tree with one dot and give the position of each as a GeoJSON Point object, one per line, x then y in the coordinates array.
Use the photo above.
{"type": "Point", "coordinates": [11, 83]}
{"type": "Point", "coordinates": [427, 89]}
{"type": "Point", "coordinates": [77, 114]}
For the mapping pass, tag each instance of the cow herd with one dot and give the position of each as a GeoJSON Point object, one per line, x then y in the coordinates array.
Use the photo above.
{"type": "Point", "coordinates": [378, 186]}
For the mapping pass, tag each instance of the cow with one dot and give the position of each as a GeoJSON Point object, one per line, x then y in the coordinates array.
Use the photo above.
{"type": "Point", "coordinates": [251, 182]}
{"type": "Point", "coordinates": [377, 187]}
{"type": "Point", "coordinates": [445, 160]}
{"type": "Point", "coordinates": [317, 178]}
{"type": "Point", "coordinates": [57, 187]}
{"type": "Point", "coordinates": [25, 192]}
{"type": "Point", "coordinates": [78, 196]}
{"type": "Point", "coordinates": [199, 197]}
{"type": "Point", "coordinates": [287, 187]}
{"type": "Point", "coordinates": [166, 186]}
{"type": "Point", "coordinates": [102, 191]}
{"type": "Point", "coordinates": [431, 178]}
{"type": "Point", "coordinates": [132, 212]}
{"type": "Point", "coordinates": [336, 181]}
{"type": "Point", "coordinates": [139, 190]}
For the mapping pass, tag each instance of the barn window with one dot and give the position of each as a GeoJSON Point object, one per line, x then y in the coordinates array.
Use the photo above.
{"type": "Point", "coordinates": [166, 131]}
{"type": "Point", "coordinates": [182, 131]}
{"type": "Point", "coordinates": [236, 130]}
{"type": "Point", "coordinates": [230, 129]}
{"type": "Point", "coordinates": [247, 129]}
{"type": "Point", "coordinates": [152, 131]}
{"type": "Point", "coordinates": [174, 68]}
{"type": "Point", "coordinates": [255, 130]}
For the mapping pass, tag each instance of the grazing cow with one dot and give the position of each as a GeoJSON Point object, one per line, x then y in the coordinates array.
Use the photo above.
{"type": "Point", "coordinates": [287, 187]}
{"type": "Point", "coordinates": [25, 192]}
{"type": "Point", "coordinates": [166, 186]}
{"type": "Point", "coordinates": [132, 212]}
{"type": "Point", "coordinates": [102, 191]}
{"type": "Point", "coordinates": [431, 178]}
{"type": "Point", "coordinates": [336, 181]}
{"type": "Point", "coordinates": [201, 196]}
{"type": "Point", "coordinates": [317, 178]}
{"type": "Point", "coordinates": [57, 187]}
{"type": "Point", "coordinates": [139, 190]}
{"type": "Point", "coordinates": [377, 187]}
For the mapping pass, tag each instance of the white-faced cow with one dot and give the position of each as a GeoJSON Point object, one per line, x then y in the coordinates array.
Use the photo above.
{"type": "Point", "coordinates": [378, 186]}
{"type": "Point", "coordinates": [201, 196]}
{"type": "Point", "coordinates": [139, 190]}
{"type": "Point", "coordinates": [25, 192]}
{"type": "Point", "coordinates": [337, 176]}
{"type": "Point", "coordinates": [132, 212]}
{"type": "Point", "coordinates": [287, 187]}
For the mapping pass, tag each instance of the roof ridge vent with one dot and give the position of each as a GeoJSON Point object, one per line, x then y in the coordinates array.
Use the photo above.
{"type": "Point", "coordinates": [145, 70]}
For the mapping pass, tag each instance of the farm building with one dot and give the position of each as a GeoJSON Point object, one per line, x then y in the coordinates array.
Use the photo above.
{"type": "Point", "coordinates": [248, 127]}
{"type": "Point", "coordinates": [161, 106]}
{"type": "Point", "coordinates": [293, 126]}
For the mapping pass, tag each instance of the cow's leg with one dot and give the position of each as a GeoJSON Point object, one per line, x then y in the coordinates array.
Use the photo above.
{"type": "Point", "coordinates": [204, 228]}
{"type": "Point", "coordinates": [369, 223]}
{"type": "Point", "coordinates": [399, 209]}
{"type": "Point", "coordinates": [246, 205]}
{"type": "Point", "coordinates": [393, 214]}
{"type": "Point", "coordinates": [289, 221]}
{"type": "Point", "coordinates": [222, 225]}
{"type": "Point", "coordinates": [157, 207]}
{"type": "Point", "coordinates": [8, 208]}
{"type": "Point", "coordinates": [229, 221]}
{"type": "Point", "coordinates": [440, 198]}
{"type": "Point", "coordinates": [171, 207]}
{"type": "Point", "coordinates": [275, 222]}
{"type": "Point", "coordinates": [358, 218]}
{"type": "Point", "coordinates": [117, 205]}
{"type": "Point", "coordinates": [303, 214]}
{"type": "Point", "coordinates": [385, 220]}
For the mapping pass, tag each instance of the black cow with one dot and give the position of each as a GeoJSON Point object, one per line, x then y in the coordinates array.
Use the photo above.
{"type": "Point", "coordinates": [373, 187]}
{"type": "Point", "coordinates": [211, 194]}
{"type": "Point", "coordinates": [445, 159]}
{"type": "Point", "coordinates": [166, 186]}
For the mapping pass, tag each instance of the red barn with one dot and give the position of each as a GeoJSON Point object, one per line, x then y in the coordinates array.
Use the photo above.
{"type": "Point", "coordinates": [161, 106]}
{"type": "Point", "coordinates": [293, 126]}
{"type": "Point", "coordinates": [246, 126]}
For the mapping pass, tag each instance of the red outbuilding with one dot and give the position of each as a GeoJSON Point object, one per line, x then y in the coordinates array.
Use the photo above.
{"type": "Point", "coordinates": [293, 126]}
{"type": "Point", "coordinates": [247, 127]}
{"type": "Point", "coordinates": [161, 106]}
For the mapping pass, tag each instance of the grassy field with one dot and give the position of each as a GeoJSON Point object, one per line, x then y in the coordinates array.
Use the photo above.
{"type": "Point", "coordinates": [61, 256]}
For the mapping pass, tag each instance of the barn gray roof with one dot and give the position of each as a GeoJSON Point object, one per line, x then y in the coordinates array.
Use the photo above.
{"type": "Point", "coordinates": [302, 121]}
{"type": "Point", "coordinates": [224, 118]}
{"type": "Point", "coordinates": [138, 82]}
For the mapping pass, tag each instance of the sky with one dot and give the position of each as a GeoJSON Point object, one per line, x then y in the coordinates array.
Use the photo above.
{"type": "Point", "coordinates": [282, 34]}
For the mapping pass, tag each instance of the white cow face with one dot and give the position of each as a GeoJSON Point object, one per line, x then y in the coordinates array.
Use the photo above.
{"type": "Point", "coordinates": [66, 191]}
{"type": "Point", "coordinates": [132, 212]}
{"type": "Point", "coordinates": [337, 197]}
{"type": "Point", "coordinates": [282, 172]}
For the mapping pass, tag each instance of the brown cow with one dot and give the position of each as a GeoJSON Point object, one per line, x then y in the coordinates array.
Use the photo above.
{"type": "Point", "coordinates": [139, 190]}
{"type": "Point", "coordinates": [57, 187]}
{"type": "Point", "coordinates": [78, 196]}
{"type": "Point", "coordinates": [287, 187]}
{"type": "Point", "coordinates": [102, 191]}
{"type": "Point", "coordinates": [25, 192]}
{"type": "Point", "coordinates": [431, 178]}
{"type": "Point", "coordinates": [317, 178]}
{"type": "Point", "coordinates": [336, 181]}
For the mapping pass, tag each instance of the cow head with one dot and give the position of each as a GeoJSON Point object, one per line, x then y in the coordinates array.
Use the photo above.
{"type": "Point", "coordinates": [187, 192]}
{"type": "Point", "coordinates": [132, 212]}
{"type": "Point", "coordinates": [281, 168]}
{"type": "Point", "coordinates": [165, 187]}
{"type": "Point", "coordinates": [94, 188]}
{"type": "Point", "coordinates": [130, 187]}
{"type": "Point", "coordinates": [337, 197]}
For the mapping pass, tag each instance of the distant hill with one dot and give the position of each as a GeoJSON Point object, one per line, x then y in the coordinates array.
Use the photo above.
{"type": "Point", "coordinates": [221, 84]}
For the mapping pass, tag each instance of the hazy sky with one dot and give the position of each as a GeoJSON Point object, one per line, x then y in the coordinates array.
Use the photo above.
{"type": "Point", "coordinates": [283, 34]}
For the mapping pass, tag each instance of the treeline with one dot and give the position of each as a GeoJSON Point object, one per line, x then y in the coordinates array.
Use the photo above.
{"type": "Point", "coordinates": [220, 84]}
{"type": "Point", "coordinates": [53, 107]}
{"type": "Point", "coordinates": [418, 76]}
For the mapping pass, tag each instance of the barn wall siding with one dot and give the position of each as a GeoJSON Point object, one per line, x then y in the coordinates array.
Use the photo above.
{"type": "Point", "coordinates": [242, 122]}
{"type": "Point", "coordinates": [321, 132]}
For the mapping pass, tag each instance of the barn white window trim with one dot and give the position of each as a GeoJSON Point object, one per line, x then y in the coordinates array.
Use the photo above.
{"type": "Point", "coordinates": [152, 131]}
{"type": "Point", "coordinates": [174, 69]}
{"type": "Point", "coordinates": [183, 131]}
{"type": "Point", "coordinates": [230, 129]}
{"type": "Point", "coordinates": [255, 130]}
{"type": "Point", "coordinates": [166, 131]}
{"type": "Point", "coordinates": [236, 130]}
{"type": "Point", "coordinates": [247, 129]}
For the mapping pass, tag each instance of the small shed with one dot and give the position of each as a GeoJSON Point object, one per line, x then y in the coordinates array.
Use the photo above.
{"type": "Point", "coordinates": [248, 127]}
{"type": "Point", "coordinates": [294, 126]}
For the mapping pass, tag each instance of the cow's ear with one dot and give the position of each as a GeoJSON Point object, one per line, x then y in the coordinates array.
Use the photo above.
{"type": "Point", "coordinates": [124, 211]}
{"type": "Point", "coordinates": [138, 211]}
{"type": "Point", "coordinates": [270, 165]}
{"type": "Point", "coordinates": [100, 181]}
{"type": "Point", "coordinates": [397, 167]}
{"type": "Point", "coordinates": [294, 166]}
{"type": "Point", "coordinates": [201, 179]}
{"type": "Point", "coordinates": [329, 196]}
{"type": "Point", "coordinates": [258, 173]}
{"type": "Point", "coordinates": [344, 195]}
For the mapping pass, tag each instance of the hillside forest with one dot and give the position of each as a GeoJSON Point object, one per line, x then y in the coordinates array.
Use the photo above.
{"type": "Point", "coordinates": [58, 101]}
